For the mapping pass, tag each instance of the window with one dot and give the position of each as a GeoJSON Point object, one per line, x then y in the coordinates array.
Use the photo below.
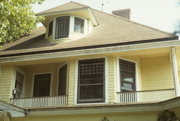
{"type": "Point", "coordinates": [91, 81]}
{"type": "Point", "coordinates": [62, 80]}
{"type": "Point", "coordinates": [78, 25]}
{"type": "Point", "coordinates": [127, 75]}
{"type": "Point", "coordinates": [50, 28]}
{"type": "Point", "coordinates": [42, 85]}
{"type": "Point", "coordinates": [18, 85]}
{"type": "Point", "coordinates": [62, 27]}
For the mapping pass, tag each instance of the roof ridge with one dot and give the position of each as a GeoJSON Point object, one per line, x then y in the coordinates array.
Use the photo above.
{"type": "Point", "coordinates": [172, 35]}
{"type": "Point", "coordinates": [80, 4]}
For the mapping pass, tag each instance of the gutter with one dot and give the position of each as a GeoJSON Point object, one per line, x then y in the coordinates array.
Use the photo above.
{"type": "Point", "coordinates": [62, 53]}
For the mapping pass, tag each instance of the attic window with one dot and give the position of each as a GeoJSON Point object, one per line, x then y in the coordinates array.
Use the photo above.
{"type": "Point", "coordinates": [78, 25]}
{"type": "Point", "coordinates": [62, 27]}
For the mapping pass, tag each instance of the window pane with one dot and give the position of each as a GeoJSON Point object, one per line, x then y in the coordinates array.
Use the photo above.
{"type": "Point", "coordinates": [79, 25]}
{"type": "Point", "coordinates": [18, 85]}
{"type": "Point", "coordinates": [62, 27]}
{"type": "Point", "coordinates": [91, 81]}
{"type": "Point", "coordinates": [62, 80]}
{"type": "Point", "coordinates": [127, 75]}
{"type": "Point", "coordinates": [42, 85]}
{"type": "Point", "coordinates": [50, 28]}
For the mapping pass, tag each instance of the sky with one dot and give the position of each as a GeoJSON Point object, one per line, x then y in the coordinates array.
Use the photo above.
{"type": "Point", "coordinates": [159, 14]}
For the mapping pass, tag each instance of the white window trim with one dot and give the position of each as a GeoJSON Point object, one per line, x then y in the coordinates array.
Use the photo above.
{"type": "Point", "coordinates": [118, 76]}
{"type": "Point", "coordinates": [71, 27]}
{"type": "Point", "coordinates": [51, 82]}
{"type": "Point", "coordinates": [24, 81]}
{"type": "Point", "coordinates": [105, 81]}
{"type": "Point", "coordinates": [67, 77]}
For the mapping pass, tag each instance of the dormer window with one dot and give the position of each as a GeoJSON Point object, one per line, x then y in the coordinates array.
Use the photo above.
{"type": "Point", "coordinates": [68, 27]}
{"type": "Point", "coordinates": [62, 27]}
{"type": "Point", "coordinates": [78, 25]}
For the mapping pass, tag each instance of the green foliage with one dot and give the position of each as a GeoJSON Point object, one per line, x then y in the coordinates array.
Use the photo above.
{"type": "Point", "coordinates": [16, 19]}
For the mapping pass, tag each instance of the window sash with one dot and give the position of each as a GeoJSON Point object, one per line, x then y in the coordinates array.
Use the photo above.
{"type": "Point", "coordinates": [127, 75]}
{"type": "Point", "coordinates": [41, 85]}
{"type": "Point", "coordinates": [62, 80]}
{"type": "Point", "coordinates": [78, 25]}
{"type": "Point", "coordinates": [91, 79]}
{"type": "Point", "coordinates": [62, 27]}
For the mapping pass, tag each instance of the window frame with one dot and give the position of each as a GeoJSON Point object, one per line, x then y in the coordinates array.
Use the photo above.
{"type": "Point", "coordinates": [52, 31]}
{"type": "Point", "coordinates": [67, 78]}
{"type": "Point", "coordinates": [137, 79]}
{"type": "Point", "coordinates": [83, 31]}
{"type": "Point", "coordinates": [104, 99]}
{"type": "Point", "coordinates": [33, 79]}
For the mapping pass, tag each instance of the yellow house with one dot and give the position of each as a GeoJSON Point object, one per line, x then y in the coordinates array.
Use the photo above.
{"type": "Point", "coordinates": [85, 64]}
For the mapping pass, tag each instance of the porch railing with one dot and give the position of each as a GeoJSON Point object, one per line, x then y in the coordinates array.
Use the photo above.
{"type": "Point", "coordinates": [36, 102]}
{"type": "Point", "coordinates": [145, 96]}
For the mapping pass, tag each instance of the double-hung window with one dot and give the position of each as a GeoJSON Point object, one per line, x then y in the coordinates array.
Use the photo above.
{"type": "Point", "coordinates": [91, 81]}
{"type": "Point", "coordinates": [127, 75]}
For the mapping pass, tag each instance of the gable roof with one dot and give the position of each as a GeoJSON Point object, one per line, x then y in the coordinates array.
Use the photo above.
{"type": "Point", "coordinates": [111, 31]}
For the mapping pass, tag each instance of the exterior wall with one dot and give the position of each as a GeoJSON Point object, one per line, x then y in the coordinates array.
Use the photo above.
{"type": "Point", "coordinates": [141, 116]}
{"type": "Point", "coordinates": [111, 81]}
{"type": "Point", "coordinates": [7, 78]}
{"type": "Point", "coordinates": [71, 82]}
{"type": "Point", "coordinates": [156, 73]}
{"type": "Point", "coordinates": [30, 71]}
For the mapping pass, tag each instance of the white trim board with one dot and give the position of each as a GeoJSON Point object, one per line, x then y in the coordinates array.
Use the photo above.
{"type": "Point", "coordinates": [122, 48]}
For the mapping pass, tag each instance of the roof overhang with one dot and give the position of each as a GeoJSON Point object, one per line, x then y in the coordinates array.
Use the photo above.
{"type": "Point", "coordinates": [14, 111]}
{"type": "Point", "coordinates": [107, 108]}
{"type": "Point", "coordinates": [51, 54]}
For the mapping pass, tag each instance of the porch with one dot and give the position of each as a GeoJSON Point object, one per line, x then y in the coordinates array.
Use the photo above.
{"type": "Point", "coordinates": [149, 80]}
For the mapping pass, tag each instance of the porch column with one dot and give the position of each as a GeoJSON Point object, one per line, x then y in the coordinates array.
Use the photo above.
{"type": "Point", "coordinates": [175, 71]}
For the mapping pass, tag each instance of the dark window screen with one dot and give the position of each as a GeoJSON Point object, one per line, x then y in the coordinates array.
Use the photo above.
{"type": "Point", "coordinates": [62, 27]}
{"type": "Point", "coordinates": [42, 85]}
{"type": "Point", "coordinates": [91, 81]}
{"type": "Point", "coordinates": [127, 75]}
{"type": "Point", "coordinates": [62, 80]}
{"type": "Point", "coordinates": [50, 28]}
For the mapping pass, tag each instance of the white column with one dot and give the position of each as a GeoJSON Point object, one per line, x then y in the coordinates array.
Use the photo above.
{"type": "Point", "coordinates": [175, 71]}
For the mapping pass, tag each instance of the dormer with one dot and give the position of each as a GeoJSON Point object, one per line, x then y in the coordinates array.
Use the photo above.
{"type": "Point", "coordinates": [68, 22]}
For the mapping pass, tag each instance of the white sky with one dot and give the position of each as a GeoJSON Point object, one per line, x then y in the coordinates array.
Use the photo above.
{"type": "Point", "coordinates": [160, 14]}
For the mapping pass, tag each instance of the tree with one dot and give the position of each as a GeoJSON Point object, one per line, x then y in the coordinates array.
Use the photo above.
{"type": "Point", "coordinates": [16, 19]}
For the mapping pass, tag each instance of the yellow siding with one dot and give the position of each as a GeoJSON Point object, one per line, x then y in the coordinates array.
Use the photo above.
{"type": "Point", "coordinates": [140, 116]}
{"type": "Point", "coordinates": [6, 83]}
{"type": "Point", "coordinates": [40, 69]}
{"type": "Point", "coordinates": [156, 73]}
{"type": "Point", "coordinates": [72, 78]}
{"type": "Point", "coordinates": [111, 79]}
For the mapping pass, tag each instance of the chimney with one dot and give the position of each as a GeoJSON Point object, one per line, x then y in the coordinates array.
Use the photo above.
{"type": "Point", "coordinates": [123, 13]}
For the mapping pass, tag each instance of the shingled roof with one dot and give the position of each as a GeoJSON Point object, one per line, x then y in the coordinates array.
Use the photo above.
{"type": "Point", "coordinates": [111, 31]}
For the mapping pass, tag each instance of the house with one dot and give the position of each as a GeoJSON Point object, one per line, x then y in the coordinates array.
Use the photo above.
{"type": "Point", "coordinates": [85, 64]}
